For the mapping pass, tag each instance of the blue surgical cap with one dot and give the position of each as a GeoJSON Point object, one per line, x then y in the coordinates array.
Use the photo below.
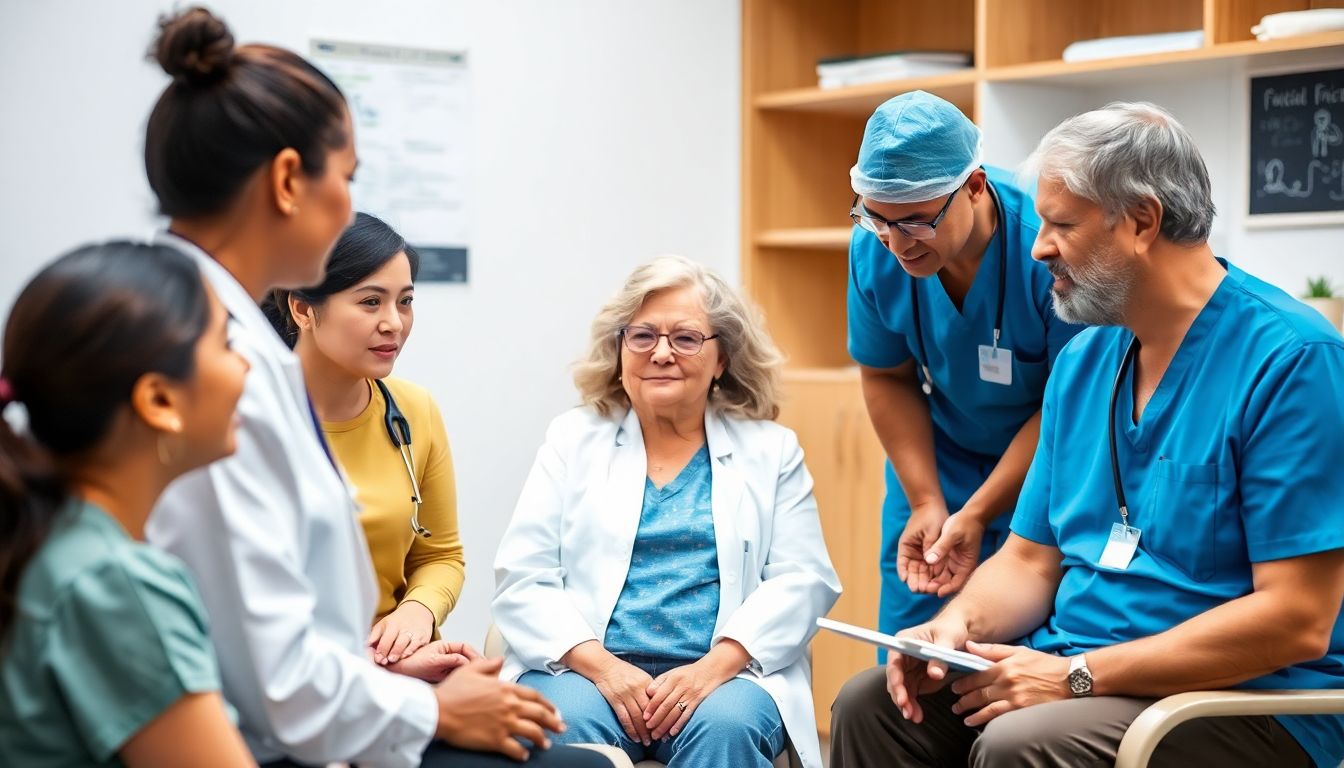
{"type": "Point", "coordinates": [916, 147]}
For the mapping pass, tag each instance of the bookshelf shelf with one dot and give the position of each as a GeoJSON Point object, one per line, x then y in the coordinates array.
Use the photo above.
{"type": "Point", "coordinates": [799, 141]}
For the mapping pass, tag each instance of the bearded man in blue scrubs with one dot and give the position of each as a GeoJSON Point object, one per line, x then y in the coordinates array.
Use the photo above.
{"type": "Point", "coordinates": [1182, 526]}
{"type": "Point", "coordinates": [951, 323]}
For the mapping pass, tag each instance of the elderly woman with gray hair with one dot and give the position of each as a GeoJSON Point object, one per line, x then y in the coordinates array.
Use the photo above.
{"type": "Point", "coordinates": [664, 569]}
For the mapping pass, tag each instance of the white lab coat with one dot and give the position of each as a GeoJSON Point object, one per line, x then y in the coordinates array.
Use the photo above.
{"type": "Point", "coordinates": [564, 559]}
{"type": "Point", "coordinates": [280, 559]}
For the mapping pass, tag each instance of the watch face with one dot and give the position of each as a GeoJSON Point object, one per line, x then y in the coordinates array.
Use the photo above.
{"type": "Point", "coordinates": [1079, 682]}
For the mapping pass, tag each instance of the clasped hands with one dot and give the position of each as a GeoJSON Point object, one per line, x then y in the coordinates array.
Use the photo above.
{"type": "Point", "coordinates": [650, 708]}
{"type": "Point", "coordinates": [937, 551]}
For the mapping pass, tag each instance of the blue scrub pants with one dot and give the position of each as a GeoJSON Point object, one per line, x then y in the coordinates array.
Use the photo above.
{"type": "Point", "coordinates": [960, 476]}
{"type": "Point", "coordinates": [737, 725]}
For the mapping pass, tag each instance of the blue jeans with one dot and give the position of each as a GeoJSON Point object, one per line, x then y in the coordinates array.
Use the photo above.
{"type": "Point", "coordinates": [737, 725]}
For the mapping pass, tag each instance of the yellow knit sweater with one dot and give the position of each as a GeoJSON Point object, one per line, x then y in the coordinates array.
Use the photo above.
{"type": "Point", "coordinates": [409, 567]}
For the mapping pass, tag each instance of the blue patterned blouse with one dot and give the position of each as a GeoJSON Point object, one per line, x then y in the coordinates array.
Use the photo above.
{"type": "Point", "coordinates": [671, 596]}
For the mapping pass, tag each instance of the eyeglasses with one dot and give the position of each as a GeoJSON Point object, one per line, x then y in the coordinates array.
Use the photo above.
{"type": "Point", "coordinates": [640, 339]}
{"type": "Point", "coordinates": [915, 230]}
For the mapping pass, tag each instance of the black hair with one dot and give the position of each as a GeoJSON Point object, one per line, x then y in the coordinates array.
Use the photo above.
{"type": "Point", "coordinates": [364, 247]}
{"type": "Point", "coordinates": [80, 335]}
{"type": "Point", "coordinates": [229, 111]}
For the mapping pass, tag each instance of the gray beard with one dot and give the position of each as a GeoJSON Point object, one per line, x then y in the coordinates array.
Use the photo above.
{"type": "Point", "coordinates": [1101, 288]}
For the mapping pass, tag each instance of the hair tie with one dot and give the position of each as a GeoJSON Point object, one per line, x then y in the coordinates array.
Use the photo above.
{"type": "Point", "coordinates": [7, 395]}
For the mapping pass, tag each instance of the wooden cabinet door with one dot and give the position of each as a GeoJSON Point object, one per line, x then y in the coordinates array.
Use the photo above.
{"type": "Point", "coordinates": [845, 460]}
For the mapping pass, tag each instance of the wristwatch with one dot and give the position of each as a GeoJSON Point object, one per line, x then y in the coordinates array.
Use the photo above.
{"type": "Point", "coordinates": [1080, 677]}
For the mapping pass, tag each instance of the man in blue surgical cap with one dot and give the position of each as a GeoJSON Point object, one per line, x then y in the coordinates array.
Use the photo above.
{"type": "Point", "coordinates": [951, 323]}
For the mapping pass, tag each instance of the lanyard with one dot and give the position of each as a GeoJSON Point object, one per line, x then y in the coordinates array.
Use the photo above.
{"type": "Point", "coordinates": [1115, 457]}
{"type": "Point", "coordinates": [927, 384]}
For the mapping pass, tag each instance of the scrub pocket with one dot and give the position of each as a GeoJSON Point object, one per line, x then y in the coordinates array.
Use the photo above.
{"type": "Point", "coordinates": [1030, 375]}
{"type": "Point", "coordinates": [1182, 526]}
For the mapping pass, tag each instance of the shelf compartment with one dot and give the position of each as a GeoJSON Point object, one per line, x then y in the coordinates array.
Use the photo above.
{"type": "Point", "coordinates": [784, 39]}
{"type": "Point", "coordinates": [802, 294]}
{"type": "Point", "coordinates": [799, 170]}
{"type": "Point", "coordinates": [1028, 31]}
{"type": "Point", "coordinates": [1229, 21]}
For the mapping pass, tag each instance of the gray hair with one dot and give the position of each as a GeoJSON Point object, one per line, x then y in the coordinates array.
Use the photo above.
{"type": "Point", "coordinates": [749, 386]}
{"type": "Point", "coordinates": [1124, 152]}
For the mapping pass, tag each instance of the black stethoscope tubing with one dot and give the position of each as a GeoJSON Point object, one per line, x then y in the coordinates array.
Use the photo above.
{"type": "Point", "coordinates": [927, 384]}
{"type": "Point", "coordinates": [399, 430]}
{"type": "Point", "coordinates": [1115, 453]}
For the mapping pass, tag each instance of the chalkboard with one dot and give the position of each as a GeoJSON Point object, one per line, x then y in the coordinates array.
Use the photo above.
{"type": "Point", "coordinates": [1297, 143]}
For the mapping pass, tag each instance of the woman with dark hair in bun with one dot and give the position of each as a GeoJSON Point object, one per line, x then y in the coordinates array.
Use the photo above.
{"type": "Point", "coordinates": [250, 151]}
{"type": "Point", "coordinates": [117, 358]}
{"type": "Point", "coordinates": [348, 332]}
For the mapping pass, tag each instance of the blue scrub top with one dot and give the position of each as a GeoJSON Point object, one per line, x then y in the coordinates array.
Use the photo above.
{"type": "Point", "coordinates": [978, 417]}
{"type": "Point", "coordinates": [1236, 461]}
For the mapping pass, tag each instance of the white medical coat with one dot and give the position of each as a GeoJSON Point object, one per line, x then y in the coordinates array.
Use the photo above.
{"type": "Point", "coordinates": [281, 563]}
{"type": "Point", "coordinates": [563, 561]}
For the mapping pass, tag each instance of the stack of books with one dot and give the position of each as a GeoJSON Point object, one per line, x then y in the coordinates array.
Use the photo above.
{"type": "Point", "coordinates": [896, 65]}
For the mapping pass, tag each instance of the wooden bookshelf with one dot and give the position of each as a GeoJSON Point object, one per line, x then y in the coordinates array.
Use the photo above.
{"type": "Point", "coordinates": [799, 141]}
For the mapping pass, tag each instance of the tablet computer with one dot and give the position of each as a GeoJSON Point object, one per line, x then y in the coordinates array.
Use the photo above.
{"type": "Point", "coordinates": [920, 649]}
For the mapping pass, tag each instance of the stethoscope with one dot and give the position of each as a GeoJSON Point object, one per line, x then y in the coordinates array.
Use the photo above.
{"type": "Point", "coordinates": [400, 431]}
{"type": "Point", "coordinates": [927, 384]}
{"type": "Point", "coordinates": [1115, 454]}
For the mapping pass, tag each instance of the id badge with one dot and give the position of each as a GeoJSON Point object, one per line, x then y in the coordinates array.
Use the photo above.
{"type": "Point", "coordinates": [996, 365]}
{"type": "Point", "coordinates": [1120, 547]}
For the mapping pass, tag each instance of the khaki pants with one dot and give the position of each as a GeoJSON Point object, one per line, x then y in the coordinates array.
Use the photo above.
{"type": "Point", "coordinates": [867, 730]}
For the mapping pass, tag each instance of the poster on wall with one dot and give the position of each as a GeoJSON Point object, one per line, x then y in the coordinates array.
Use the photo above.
{"type": "Point", "coordinates": [410, 108]}
{"type": "Point", "coordinates": [1297, 149]}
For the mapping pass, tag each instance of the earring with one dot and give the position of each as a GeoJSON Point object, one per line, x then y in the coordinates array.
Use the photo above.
{"type": "Point", "coordinates": [715, 388]}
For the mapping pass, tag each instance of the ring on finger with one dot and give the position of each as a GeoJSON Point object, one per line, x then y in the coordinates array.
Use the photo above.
{"type": "Point", "coordinates": [681, 705]}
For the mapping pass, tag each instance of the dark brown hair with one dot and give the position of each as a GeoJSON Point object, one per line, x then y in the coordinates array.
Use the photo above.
{"type": "Point", "coordinates": [80, 335]}
{"type": "Point", "coordinates": [364, 247]}
{"type": "Point", "coordinates": [229, 111]}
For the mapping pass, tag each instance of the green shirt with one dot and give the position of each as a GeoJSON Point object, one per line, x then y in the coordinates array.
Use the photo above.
{"type": "Point", "coordinates": [108, 634]}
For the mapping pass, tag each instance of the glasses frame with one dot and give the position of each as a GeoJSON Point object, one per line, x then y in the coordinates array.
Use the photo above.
{"type": "Point", "coordinates": [901, 226]}
{"type": "Point", "coordinates": [626, 339]}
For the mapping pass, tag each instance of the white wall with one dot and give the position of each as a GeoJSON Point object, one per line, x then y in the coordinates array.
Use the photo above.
{"type": "Point", "coordinates": [1210, 101]}
{"type": "Point", "coordinates": [613, 124]}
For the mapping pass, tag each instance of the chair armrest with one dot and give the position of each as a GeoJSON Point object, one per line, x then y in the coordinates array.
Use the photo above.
{"type": "Point", "coordinates": [1159, 719]}
{"type": "Point", "coordinates": [494, 643]}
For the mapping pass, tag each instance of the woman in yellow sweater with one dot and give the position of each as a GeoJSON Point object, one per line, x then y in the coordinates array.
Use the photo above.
{"type": "Point", "coordinates": [347, 333]}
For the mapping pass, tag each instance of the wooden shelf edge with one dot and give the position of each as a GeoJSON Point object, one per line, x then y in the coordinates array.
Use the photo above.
{"type": "Point", "coordinates": [1049, 70]}
{"type": "Point", "coordinates": [815, 237]}
{"type": "Point", "coordinates": [854, 97]}
{"type": "Point", "coordinates": [823, 375]}
{"type": "Point", "coordinates": [863, 98]}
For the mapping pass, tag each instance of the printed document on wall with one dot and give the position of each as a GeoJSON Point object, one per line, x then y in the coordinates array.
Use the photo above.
{"type": "Point", "coordinates": [411, 109]}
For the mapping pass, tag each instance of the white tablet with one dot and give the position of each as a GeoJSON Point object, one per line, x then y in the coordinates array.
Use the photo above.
{"type": "Point", "coordinates": [920, 649]}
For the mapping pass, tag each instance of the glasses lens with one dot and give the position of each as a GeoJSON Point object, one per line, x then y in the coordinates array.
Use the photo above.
{"type": "Point", "coordinates": [686, 342]}
{"type": "Point", "coordinates": [869, 223]}
{"type": "Point", "coordinates": [917, 230]}
{"type": "Point", "coordinates": [640, 339]}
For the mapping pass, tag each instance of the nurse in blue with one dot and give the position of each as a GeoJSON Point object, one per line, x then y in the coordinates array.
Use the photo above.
{"type": "Point", "coordinates": [951, 323]}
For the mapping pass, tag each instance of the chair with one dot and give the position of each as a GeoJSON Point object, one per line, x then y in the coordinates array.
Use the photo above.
{"type": "Point", "coordinates": [1159, 719]}
{"type": "Point", "coordinates": [494, 648]}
